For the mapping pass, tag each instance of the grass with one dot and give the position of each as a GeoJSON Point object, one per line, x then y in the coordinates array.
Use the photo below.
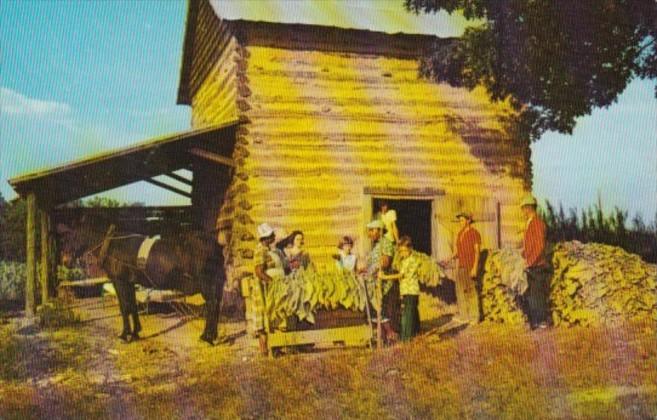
{"type": "Point", "coordinates": [488, 371]}
{"type": "Point", "coordinates": [28, 357]}
{"type": "Point", "coordinates": [57, 314]}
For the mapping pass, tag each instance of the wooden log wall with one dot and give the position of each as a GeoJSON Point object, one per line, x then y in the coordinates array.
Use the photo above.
{"type": "Point", "coordinates": [218, 88]}
{"type": "Point", "coordinates": [346, 122]}
{"type": "Point", "coordinates": [321, 127]}
{"type": "Point", "coordinates": [213, 74]}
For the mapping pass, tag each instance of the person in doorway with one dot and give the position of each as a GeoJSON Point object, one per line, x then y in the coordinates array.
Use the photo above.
{"type": "Point", "coordinates": [263, 262]}
{"type": "Point", "coordinates": [468, 249]}
{"type": "Point", "coordinates": [380, 260]}
{"type": "Point", "coordinates": [295, 255]}
{"type": "Point", "coordinates": [389, 218]}
{"type": "Point", "coordinates": [345, 260]}
{"type": "Point", "coordinates": [409, 288]}
{"type": "Point", "coordinates": [536, 266]}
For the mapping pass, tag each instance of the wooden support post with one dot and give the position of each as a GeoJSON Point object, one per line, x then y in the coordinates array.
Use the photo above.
{"type": "Point", "coordinates": [45, 257]}
{"type": "Point", "coordinates": [52, 264]}
{"type": "Point", "coordinates": [263, 290]}
{"type": "Point", "coordinates": [498, 215]}
{"type": "Point", "coordinates": [379, 328]}
{"type": "Point", "coordinates": [30, 283]}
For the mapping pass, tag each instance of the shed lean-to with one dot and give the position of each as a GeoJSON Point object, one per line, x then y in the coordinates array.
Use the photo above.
{"type": "Point", "coordinates": [333, 118]}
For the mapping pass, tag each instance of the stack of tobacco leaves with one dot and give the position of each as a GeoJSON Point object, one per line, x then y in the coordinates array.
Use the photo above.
{"type": "Point", "coordinates": [503, 282]}
{"type": "Point", "coordinates": [596, 283]}
{"type": "Point", "coordinates": [592, 283]}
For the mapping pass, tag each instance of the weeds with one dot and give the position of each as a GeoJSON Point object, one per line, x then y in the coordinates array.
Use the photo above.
{"type": "Point", "coordinates": [57, 314]}
{"type": "Point", "coordinates": [12, 352]}
{"type": "Point", "coordinates": [593, 225]}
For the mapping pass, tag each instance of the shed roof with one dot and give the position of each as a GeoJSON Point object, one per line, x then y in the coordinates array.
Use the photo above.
{"type": "Point", "coordinates": [153, 157]}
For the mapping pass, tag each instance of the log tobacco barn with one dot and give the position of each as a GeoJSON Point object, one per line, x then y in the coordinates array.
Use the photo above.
{"type": "Point", "coordinates": [334, 118]}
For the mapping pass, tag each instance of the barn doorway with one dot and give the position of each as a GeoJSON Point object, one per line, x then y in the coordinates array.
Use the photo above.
{"type": "Point", "coordinates": [413, 219]}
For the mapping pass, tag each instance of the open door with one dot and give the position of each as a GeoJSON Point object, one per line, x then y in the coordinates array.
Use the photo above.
{"type": "Point", "coordinates": [413, 219]}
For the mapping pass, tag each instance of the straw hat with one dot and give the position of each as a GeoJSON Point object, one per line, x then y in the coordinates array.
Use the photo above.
{"type": "Point", "coordinates": [375, 224]}
{"type": "Point", "coordinates": [265, 231]}
{"type": "Point", "coordinates": [529, 200]}
{"type": "Point", "coordinates": [465, 214]}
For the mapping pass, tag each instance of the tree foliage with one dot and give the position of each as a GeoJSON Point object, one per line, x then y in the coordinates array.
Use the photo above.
{"type": "Point", "coordinates": [13, 215]}
{"type": "Point", "coordinates": [555, 60]}
{"type": "Point", "coordinates": [12, 229]}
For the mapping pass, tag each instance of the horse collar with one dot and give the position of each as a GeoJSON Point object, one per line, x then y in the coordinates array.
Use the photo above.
{"type": "Point", "coordinates": [145, 250]}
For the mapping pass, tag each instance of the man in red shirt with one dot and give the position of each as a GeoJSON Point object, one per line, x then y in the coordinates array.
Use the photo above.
{"type": "Point", "coordinates": [468, 248]}
{"type": "Point", "coordinates": [536, 266]}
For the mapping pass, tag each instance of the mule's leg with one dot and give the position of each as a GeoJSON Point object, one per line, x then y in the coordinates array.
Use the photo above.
{"type": "Point", "coordinates": [132, 305]}
{"type": "Point", "coordinates": [211, 312]}
{"type": "Point", "coordinates": [214, 322]}
{"type": "Point", "coordinates": [212, 304]}
{"type": "Point", "coordinates": [120, 284]}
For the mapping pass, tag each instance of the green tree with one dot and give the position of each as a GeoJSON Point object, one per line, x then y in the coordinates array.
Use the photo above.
{"type": "Point", "coordinates": [554, 60]}
{"type": "Point", "coordinates": [100, 201]}
{"type": "Point", "coordinates": [12, 229]}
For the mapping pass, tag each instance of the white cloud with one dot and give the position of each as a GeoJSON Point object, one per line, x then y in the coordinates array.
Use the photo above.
{"type": "Point", "coordinates": [153, 113]}
{"type": "Point", "coordinates": [15, 103]}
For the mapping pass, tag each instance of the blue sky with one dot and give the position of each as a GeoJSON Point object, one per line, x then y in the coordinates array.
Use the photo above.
{"type": "Point", "coordinates": [83, 77]}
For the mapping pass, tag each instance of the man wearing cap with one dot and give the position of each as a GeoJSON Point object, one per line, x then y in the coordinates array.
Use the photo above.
{"type": "Point", "coordinates": [468, 248]}
{"type": "Point", "coordinates": [263, 261]}
{"type": "Point", "coordinates": [380, 259]}
{"type": "Point", "coordinates": [536, 266]}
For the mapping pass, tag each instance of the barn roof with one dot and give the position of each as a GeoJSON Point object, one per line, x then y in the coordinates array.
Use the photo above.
{"type": "Point", "coordinates": [359, 26]}
{"type": "Point", "coordinates": [378, 16]}
{"type": "Point", "coordinates": [112, 169]}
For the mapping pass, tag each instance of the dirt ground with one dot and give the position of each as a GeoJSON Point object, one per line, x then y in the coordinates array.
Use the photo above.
{"type": "Point", "coordinates": [484, 371]}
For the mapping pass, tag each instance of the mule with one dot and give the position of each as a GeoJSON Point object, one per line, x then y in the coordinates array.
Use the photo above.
{"type": "Point", "coordinates": [190, 262]}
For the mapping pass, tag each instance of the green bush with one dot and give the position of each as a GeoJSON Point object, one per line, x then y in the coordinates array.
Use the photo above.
{"type": "Point", "coordinates": [13, 276]}
{"type": "Point", "coordinates": [69, 274]}
{"type": "Point", "coordinates": [12, 280]}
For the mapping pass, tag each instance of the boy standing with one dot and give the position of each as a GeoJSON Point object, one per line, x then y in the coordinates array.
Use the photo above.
{"type": "Point", "coordinates": [409, 288]}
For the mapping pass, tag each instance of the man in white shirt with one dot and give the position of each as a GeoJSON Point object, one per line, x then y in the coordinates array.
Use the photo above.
{"type": "Point", "coordinates": [389, 218]}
